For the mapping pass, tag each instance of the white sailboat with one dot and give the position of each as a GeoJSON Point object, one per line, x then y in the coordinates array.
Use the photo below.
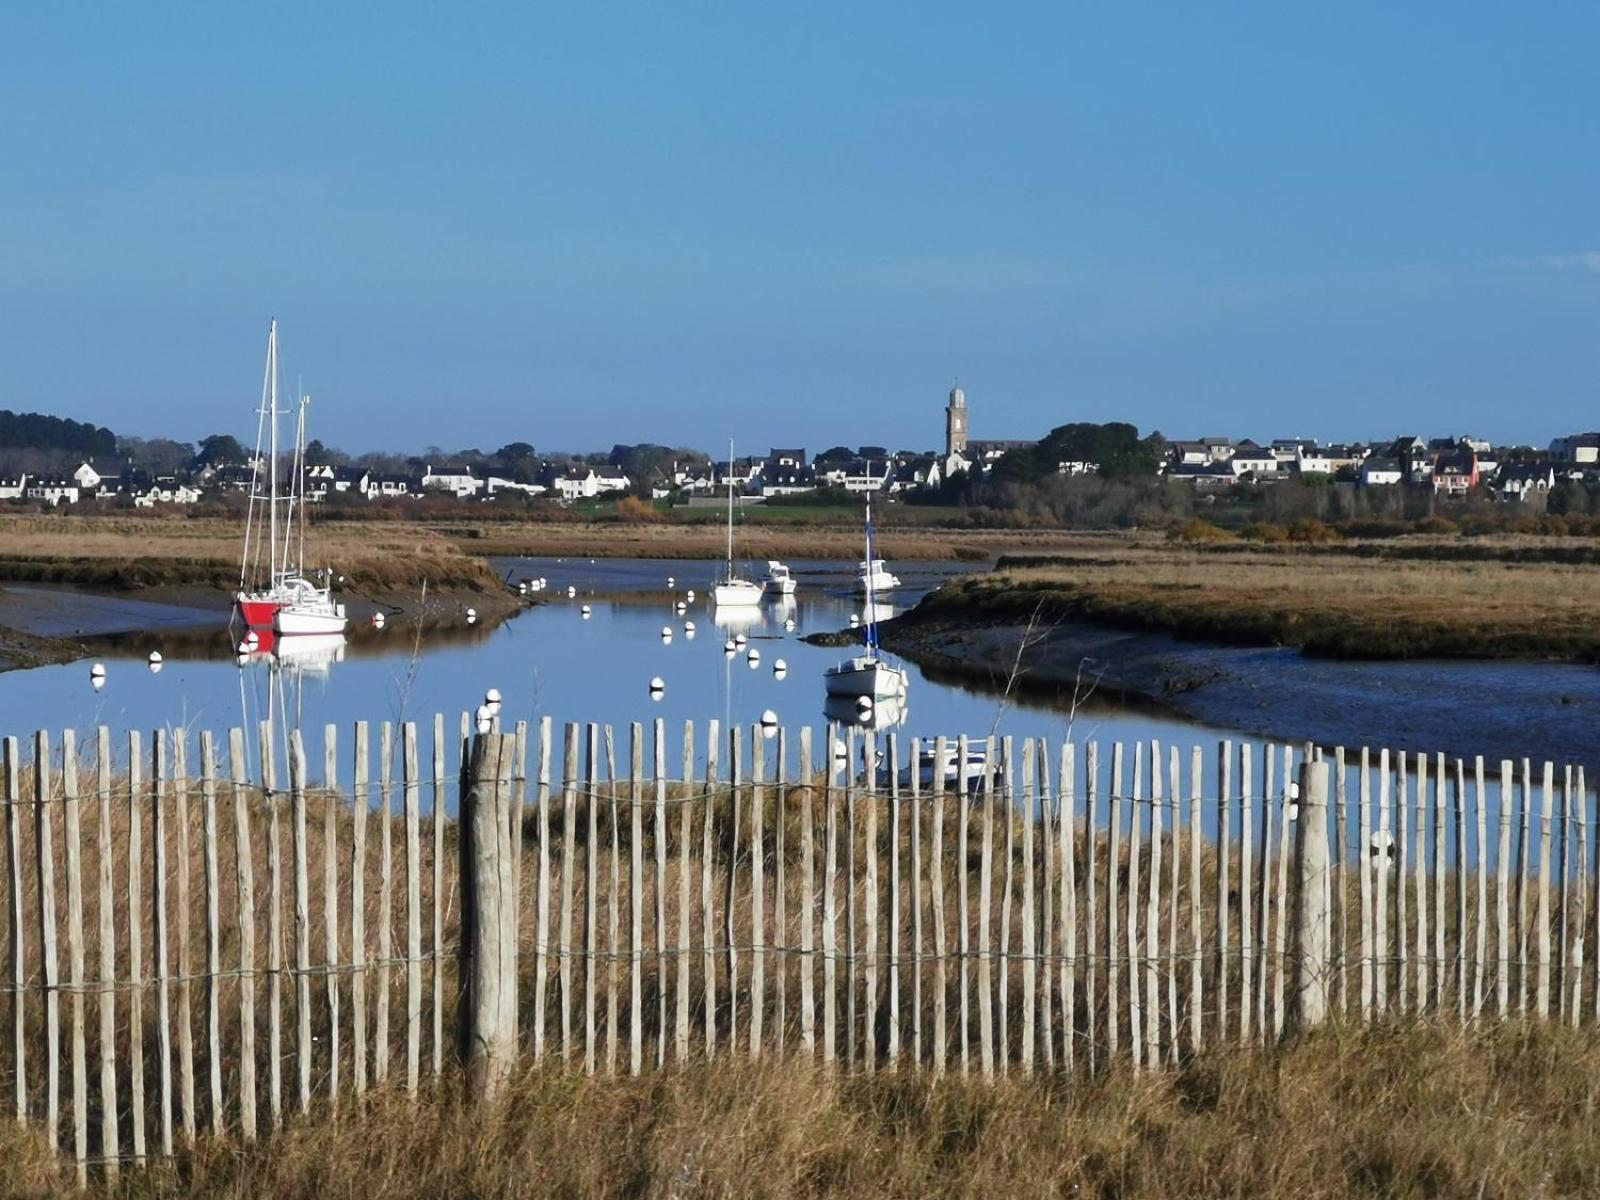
{"type": "Point", "coordinates": [260, 593]}
{"type": "Point", "coordinates": [307, 608]}
{"type": "Point", "coordinates": [731, 591]}
{"type": "Point", "coordinates": [868, 674]}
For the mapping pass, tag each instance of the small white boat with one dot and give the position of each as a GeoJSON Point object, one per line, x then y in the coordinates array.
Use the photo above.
{"type": "Point", "coordinates": [867, 674]}
{"type": "Point", "coordinates": [308, 609]}
{"type": "Point", "coordinates": [873, 576]}
{"type": "Point", "coordinates": [732, 591]}
{"type": "Point", "coordinates": [779, 581]}
{"type": "Point", "coordinates": [958, 774]}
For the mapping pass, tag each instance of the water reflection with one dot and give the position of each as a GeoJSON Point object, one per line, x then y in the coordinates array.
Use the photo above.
{"type": "Point", "coordinates": [890, 712]}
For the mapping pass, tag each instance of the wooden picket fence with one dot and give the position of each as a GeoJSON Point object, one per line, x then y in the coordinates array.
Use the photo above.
{"type": "Point", "coordinates": [750, 894]}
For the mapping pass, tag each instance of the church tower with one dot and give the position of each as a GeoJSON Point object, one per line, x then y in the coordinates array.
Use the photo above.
{"type": "Point", "coordinates": [955, 424]}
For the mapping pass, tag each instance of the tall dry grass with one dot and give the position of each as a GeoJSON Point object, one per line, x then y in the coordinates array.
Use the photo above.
{"type": "Point", "coordinates": [1414, 1110]}
{"type": "Point", "coordinates": [1328, 603]}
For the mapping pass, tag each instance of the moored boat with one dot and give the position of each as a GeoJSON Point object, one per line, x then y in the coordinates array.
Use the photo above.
{"type": "Point", "coordinates": [873, 576]}
{"type": "Point", "coordinates": [868, 674]}
{"type": "Point", "coordinates": [779, 580]}
{"type": "Point", "coordinates": [734, 591]}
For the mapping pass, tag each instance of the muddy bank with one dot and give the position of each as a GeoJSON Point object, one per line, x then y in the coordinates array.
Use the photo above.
{"type": "Point", "coordinates": [1502, 709]}
{"type": "Point", "coordinates": [42, 624]}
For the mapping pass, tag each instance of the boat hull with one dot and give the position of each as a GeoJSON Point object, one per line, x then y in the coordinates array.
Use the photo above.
{"type": "Point", "coordinates": [290, 621]}
{"type": "Point", "coordinates": [872, 678]}
{"type": "Point", "coordinates": [735, 595]}
{"type": "Point", "coordinates": [258, 612]}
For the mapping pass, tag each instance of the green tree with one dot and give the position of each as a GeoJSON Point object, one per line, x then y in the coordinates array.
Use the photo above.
{"type": "Point", "coordinates": [219, 450]}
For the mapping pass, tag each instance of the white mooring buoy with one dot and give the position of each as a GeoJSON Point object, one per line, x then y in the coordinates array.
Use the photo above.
{"type": "Point", "coordinates": [155, 662]}
{"type": "Point", "coordinates": [584, 612]}
{"type": "Point", "coordinates": [658, 687]}
{"type": "Point", "coordinates": [769, 723]}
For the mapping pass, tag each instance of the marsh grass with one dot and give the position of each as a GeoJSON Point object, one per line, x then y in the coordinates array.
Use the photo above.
{"type": "Point", "coordinates": [1409, 1110]}
{"type": "Point", "coordinates": [1328, 604]}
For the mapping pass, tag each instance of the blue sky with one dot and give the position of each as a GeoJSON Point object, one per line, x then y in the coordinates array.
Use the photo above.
{"type": "Point", "coordinates": [585, 224]}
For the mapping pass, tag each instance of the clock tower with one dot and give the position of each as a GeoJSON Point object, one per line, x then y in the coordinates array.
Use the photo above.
{"type": "Point", "coordinates": [955, 423]}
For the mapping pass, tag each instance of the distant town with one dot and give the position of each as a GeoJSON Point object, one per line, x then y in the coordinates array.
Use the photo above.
{"type": "Point", "coordinates": [37, 455]}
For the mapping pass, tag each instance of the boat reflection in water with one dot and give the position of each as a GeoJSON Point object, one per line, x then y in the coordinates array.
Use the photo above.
{"type": "Point", "coordinates": [272, 684]}
{"type": "Point", "coordinates": [737, 618]}
{"type": "Point", "coordinates": [889, 712]}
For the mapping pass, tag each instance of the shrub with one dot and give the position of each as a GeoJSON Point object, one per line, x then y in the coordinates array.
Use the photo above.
{"type": "Point", "coordinates": [1196, 530]}
{"type": "Point", "coordinates": [1437, 525]}
{"type": "Point", "coordinates": [636, 511]}
{"type": "Point", "coordinates": [1312, 531]}
{"type": "Point", "coordinates": [1265, 532]}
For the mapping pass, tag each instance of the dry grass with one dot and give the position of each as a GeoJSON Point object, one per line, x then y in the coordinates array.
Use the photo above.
{"type": "Point", "coordinates": [135, 553]}
{"type": "Point", "coordinates": [1329, 603]}
{"type": "Point", "coordinates": [1402, 1111]}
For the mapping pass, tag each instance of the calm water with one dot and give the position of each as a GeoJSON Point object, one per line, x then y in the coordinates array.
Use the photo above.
{"type": "Point", "coordinates": [552, 660]}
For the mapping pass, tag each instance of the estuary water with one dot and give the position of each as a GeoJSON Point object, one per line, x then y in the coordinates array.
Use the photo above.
{"type": "Point", "coordinates": [557, 660]}
{"type": "Point", "coordinates": [592, 657]}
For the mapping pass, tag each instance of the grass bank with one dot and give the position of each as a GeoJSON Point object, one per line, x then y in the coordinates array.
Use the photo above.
{"type": "Point", "coordinates": [1408, 1111]}
{"type": "Point", "coordinates": [1330, 604]}
{"type": "Point", "coordinates": [134, 554]}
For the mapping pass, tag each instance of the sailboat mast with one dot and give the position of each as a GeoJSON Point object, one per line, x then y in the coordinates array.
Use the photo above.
{"type": "Point", "coordinates": [251, 534]}
{"type": "Point", "coordinates": [871, 606]}
{"type": "Point", "coordinates": [296, 499]}
{"type": "Point", "coordinates": [272, 453]}
{"type": "Point", "coordinates": [730, 509]}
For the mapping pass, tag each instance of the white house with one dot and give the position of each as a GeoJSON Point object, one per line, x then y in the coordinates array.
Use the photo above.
{"type": "Point", "coordinates": [13, 489]}
{"type": "Point", "coordinates": [1518, 481]}
{"type": "Point", "coordinates": [1381, 472]}
{"type": "Point", "coordinates": [92, 472]}
{"type": "Point", "coordinates": [384, 487]}
{"type": "Point", "coordinates": [53, 491]}
{"type": "Point", "coordinates": [955, 463]}
{"type": "Point", "coordinates": [166, 492]}
{"type": "Point", "coordinates": [584, 483]}
{"type": "Point", "coordinates": [611, 479]}
{"type": "Point", "coordinates": [694, 477]}
{"type": "Point", "coordinates": [863, 477]}
{"type": "Point", "coordinates": [456, 479]}
{"type": "Point", "coordinates": [1251, 459]}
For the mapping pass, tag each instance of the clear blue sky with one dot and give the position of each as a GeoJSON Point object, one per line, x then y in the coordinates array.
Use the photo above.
{"type": "Point", "coordinates": [800, 223]}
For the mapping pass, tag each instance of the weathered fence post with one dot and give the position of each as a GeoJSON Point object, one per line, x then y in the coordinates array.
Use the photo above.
{"type": "Point", "coordinates": [488, 953]}
{"type": "Point", "coordinates": [1311, 896]}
